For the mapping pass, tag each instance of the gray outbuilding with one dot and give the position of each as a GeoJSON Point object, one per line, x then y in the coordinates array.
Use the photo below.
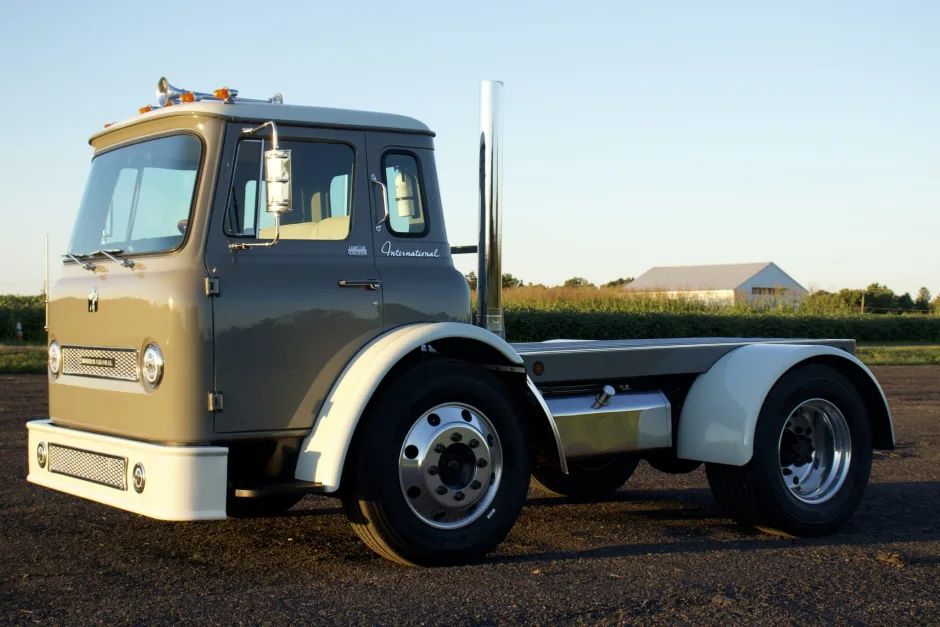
{"type": "Point", "coordinates": [759, 283]}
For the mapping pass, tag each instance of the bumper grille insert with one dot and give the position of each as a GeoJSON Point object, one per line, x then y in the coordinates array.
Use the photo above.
{"type": "Point", "coordinates": [109, 470]}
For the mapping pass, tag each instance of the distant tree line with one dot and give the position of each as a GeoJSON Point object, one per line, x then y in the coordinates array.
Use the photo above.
{"type": "Point", "coordinates": [876, 298]}
{"type": "Point", "coordinates": [510, 281]}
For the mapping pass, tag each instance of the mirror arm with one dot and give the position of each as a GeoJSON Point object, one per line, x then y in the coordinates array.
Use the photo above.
{"type": "Point", "coordinates": [250, 131]}
{"type": "Point", "coordinates": [235, 246]}
{"type": "Point", "coordinates": [384, 219]}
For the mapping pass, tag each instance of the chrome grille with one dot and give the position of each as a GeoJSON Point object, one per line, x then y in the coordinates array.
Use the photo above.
{"type": "Point", "coordinates": [104, 363]}
{"type": "Point", "coordinates": [108, 470]}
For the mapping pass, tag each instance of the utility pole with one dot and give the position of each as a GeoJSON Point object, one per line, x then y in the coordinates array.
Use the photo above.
{"type": "Point", "coordinates": [862, 311]}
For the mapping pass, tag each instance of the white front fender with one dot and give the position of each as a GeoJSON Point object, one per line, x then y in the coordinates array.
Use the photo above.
{"type": "Point", "coordinates": [720, 412]}
{"type": "Point", "coordinates": [324, 451]}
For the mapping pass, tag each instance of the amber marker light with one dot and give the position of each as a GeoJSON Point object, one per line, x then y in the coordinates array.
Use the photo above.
{"type": "Point", "coordinates": [145, 109]}
{"type": "Point", "coordinates": [222, 93]}
{"type": "Point", "coordinates": [188, 97]}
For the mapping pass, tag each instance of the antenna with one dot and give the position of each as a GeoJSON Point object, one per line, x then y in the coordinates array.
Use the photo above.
{"type": "Point", "coordinates": [45, 288]}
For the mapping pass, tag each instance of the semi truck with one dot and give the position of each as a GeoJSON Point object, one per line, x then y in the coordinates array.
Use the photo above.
{"type": "Point", "coordinates": [259, 302]}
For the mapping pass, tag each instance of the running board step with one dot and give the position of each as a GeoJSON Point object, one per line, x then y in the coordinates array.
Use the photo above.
{"type": "Point", "coordinates": [282, 488]}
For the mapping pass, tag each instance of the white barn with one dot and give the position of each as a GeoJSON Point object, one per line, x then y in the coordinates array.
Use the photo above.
{"type": "Point", "coordinates": [760, 283]}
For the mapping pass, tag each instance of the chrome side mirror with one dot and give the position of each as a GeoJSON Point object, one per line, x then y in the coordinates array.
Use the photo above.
{"type": "Point", "coordinates": [277, 170]}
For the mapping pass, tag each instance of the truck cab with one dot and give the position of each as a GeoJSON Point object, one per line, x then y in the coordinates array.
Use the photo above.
{"type": "Point", "coordinates": [259, 301]}
{"type": "Point", "coordinates": [250, 341]}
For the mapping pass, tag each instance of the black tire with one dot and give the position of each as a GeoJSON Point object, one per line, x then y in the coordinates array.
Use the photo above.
{"type": "Point", "coordinates": [372, 492]}
{"type": "Point", "coordinates": [668, 463]}
{"type": "Point", "coordinates": [588, 479]}
{"type": "Point", "coordinates": [261, 506]}
{"type": "Point", "coordinates": [756, 494]}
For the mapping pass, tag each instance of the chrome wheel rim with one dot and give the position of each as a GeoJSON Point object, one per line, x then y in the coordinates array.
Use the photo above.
{"type": "Point", "coordinates": [815, 449]}
{"type": "Point", "coordinates": [450, 466]}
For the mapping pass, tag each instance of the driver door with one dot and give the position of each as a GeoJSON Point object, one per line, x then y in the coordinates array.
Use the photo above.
{"type": "Point", "coordinates": [290, 316]}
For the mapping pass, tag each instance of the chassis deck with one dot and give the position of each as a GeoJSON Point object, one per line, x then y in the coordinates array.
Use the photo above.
{"type": "Point", "coordinates": [572, 361]}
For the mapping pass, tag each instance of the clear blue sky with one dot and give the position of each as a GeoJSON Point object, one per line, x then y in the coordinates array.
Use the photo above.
{"type": "Point", "coordinates": [636, 133]}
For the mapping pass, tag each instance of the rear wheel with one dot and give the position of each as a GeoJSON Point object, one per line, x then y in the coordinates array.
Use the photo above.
{"type": "Point", "coordinates": [812, 457]}
{"type": "Point", "coordinates": [588, 479]}
{"type": "Point", "coordinates": [440, 469]}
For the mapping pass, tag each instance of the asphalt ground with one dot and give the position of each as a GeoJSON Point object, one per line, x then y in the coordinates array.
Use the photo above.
{"type": "Point", "coordinates": [659, 552]}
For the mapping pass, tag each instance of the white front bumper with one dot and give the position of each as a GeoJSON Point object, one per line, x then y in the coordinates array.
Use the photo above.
{"type": "Point", "coordinates": [181, 482]}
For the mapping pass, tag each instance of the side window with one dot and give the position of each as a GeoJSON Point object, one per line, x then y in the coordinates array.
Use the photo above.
{"type": "Point", "coordinates": [405, 194]}
{"type": "Point", "coordinates": [322, 176]}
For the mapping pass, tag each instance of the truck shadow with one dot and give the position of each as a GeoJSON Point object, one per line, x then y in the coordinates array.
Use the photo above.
{"type": "Point", "coordinates": [889, 513]}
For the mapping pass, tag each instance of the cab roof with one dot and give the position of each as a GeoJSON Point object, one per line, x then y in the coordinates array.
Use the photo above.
{"type": "Point", "coordinates": [281, 113]}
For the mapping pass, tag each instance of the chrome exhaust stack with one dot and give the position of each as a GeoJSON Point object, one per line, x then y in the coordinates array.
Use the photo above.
{"type": "Point", "coordinates": [490, 266]}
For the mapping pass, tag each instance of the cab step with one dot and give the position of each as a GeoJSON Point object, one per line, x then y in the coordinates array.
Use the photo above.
{"type": "Point", "coordinates": [281, 488]}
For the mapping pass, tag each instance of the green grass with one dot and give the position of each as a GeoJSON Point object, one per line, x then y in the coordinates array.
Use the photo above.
{"type": "Point", "coordinates": [22, 359]}
{"type": "Point", "coordinates": [900, 354]}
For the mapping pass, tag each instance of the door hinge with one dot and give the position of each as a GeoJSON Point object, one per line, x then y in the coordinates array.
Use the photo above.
{"type": "Point", "coordinates": [212, 287]}
{"type": "Point", "coordinates": [215, 401]}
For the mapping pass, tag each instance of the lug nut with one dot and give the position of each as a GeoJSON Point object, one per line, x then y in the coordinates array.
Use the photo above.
{"type": "Point", "coordinates": [481, 463]}
{"type": "Point", "coordinates": [439, 449]}
{"type": "Point", "coordinates": [474, 443]}
{"type": "Point", "coordinates": [441, 490]}
{"type": "Point", "coordinates": [475, 484]}
{"type": "Point", "coordinates": [456, 437]}
{"type": "Point", "coordinates": [432, 470]}
{"type": "Point", "coordinates": [459, 496]}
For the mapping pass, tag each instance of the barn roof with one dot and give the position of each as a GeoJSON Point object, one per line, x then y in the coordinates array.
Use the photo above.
{"type": "Point", "coordinates": [699, 278]}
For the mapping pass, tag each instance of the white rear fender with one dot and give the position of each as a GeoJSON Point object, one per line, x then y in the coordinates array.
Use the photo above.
{"type": "Point", "coordinates": [324, 451]}
{"type": "Point", "coordinates": [720, 412]}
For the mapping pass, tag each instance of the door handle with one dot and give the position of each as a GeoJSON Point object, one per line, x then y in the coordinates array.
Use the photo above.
{"type": "Point", "coordinates": [369, 284]}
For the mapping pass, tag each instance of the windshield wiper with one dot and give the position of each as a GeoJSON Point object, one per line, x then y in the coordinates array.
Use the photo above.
{"type": "Point", "coordinates": [78, 259]}
{"type": "Point", "coordinates": [110, 254]}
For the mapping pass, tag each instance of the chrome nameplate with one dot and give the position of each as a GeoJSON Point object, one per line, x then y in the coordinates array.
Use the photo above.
{"type": "Point", "coordinates": [100, 362]}
{"type": "Point", "coordinates": [389, 251]}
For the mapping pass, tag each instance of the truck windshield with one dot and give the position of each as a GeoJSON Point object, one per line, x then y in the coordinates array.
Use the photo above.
{"type": "Point", "coordinates": [139, 197]}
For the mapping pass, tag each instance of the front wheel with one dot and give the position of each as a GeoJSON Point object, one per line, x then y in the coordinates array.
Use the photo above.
{"type": "Point", "coordinates": [812, 457]}
{"type": "Point", "coordinates": [440, 468]}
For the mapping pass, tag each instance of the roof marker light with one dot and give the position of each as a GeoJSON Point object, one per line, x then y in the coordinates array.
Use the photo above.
{"type": "Point", "coordinates": [145, 109]}
{"type": "Point", "coordinates": [223, 93]}
{"type": "Point", "coordinates": [188, 97]}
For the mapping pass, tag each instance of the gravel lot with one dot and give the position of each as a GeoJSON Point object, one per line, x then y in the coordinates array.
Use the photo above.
{"type": "Point", "coordinates": [659, 551]}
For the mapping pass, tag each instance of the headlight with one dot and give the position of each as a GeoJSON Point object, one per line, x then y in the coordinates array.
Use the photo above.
{"type": "Point", "coordinates": [152, 367]}
{"type": "Point", "coordinates": [55, 358]}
